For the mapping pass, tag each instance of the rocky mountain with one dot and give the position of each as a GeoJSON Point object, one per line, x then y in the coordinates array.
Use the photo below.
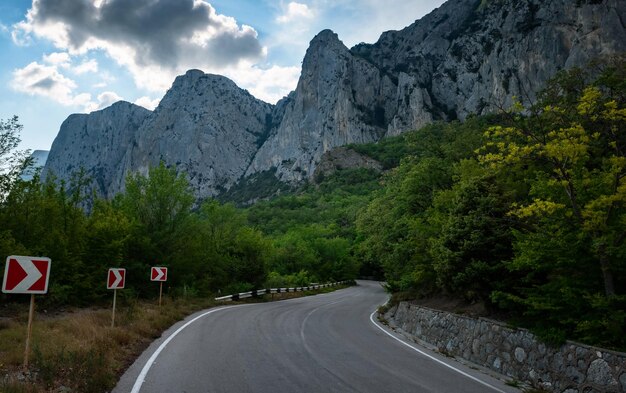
{"type": "Point", "coordinates": [97, 142]}
{"type": "Point", "coordinates": [206, 126]}
{"type": "Point", "coordinates": [467, 56]}
{"type": "Point", "coordinates": [340, 99]}
{"type": "Point", "coordinates": [474, 56]}
{"type": "Point", "coordinates": [39, 158]}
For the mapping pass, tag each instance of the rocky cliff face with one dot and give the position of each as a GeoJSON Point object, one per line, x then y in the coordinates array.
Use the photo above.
{"type": "Point", "coordinates": [342, 158]}
{"type": "Point", "coordinates": [39, 158]}
{"type": "Point", "coordinates": [467, 56]}
{"type": "Point", "coordinates": [340, 99]}
{"type": "Point", "coordinates": [206, 126]}
{"type": "Point", "coordinates": [471, 56]}
{"type": "Point", "coordinates": [96, 142]}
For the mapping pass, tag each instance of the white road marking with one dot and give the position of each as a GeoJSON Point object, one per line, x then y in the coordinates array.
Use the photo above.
{"type": "Point", "coordinates": [142, 375]}
{"type": "Point", "coordinates": [432, 357]}
{"type": "Point", "coordinates": [314, 310]}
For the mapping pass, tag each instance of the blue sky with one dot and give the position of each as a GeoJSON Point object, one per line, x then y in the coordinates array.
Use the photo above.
{"type": "Point", "coordinates": [75, 56]}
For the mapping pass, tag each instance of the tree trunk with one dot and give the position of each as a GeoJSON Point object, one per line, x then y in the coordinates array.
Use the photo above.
{"type": "Point", "coordinates": [607, 274]}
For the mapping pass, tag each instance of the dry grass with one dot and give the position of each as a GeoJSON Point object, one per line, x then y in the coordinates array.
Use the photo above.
{"type": "Point", "coordinates": [80, 351]}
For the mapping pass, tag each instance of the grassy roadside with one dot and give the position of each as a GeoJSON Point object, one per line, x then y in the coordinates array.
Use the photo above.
{"type": "Point", "coordinates": [78, 351]}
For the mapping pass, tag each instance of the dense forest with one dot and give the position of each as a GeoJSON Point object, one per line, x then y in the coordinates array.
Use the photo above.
{"type": "Point", "coordinates": [523, 211]}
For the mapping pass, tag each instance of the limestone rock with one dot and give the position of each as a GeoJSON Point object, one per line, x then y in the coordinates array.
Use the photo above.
{"type": "Point", "coordinates": [344, 158]}
{"type": "Point", "coordinates": [207, 127]}
{"type": "Point", "coordinates": [467, 56]}
{"type": "Point", "coordinates": [520, 354]}
{"type": "Point", "coordinates": [340, 99]}
{"type": "Point", "coordinates": [96, 142]}
{"type": "Point", "coordinates": [599, 373]}
{"type": "Point", "coordinates": [473, 56]}
{"type": "Point", "coordinates": [39, 158]}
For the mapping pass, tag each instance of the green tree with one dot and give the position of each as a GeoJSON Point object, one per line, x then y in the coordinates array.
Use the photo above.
{"type": "Point", "coordinates": [157, 204]}
{"type": "Point", "coordinates": [12, 161]}
{"type": "Point", "coordinates": [475, 237]}
{"type": "Point", "coordinates": [395, 229]}
{"type": "Point", "coordinates": [573, 149]}
{"type": "Point", "coordinates": [569, 251]}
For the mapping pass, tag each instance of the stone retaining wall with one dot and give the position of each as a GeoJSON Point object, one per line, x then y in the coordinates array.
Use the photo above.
{"type": "Point", "coordinates": [516, 353]}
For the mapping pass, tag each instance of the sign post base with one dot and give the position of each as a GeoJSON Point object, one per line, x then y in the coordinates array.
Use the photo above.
{"type": "Point", "coordinates": [113, 314]}
{"type": "Point", "coordinates": [31, 313]}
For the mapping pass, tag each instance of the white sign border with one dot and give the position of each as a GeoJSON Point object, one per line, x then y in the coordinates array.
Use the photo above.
{"type": "Point", "coordinates": [118, 269]}
{"type": "Point", "coordinates": [6, 275]}
{"type": "Point", "coordinates": [158, 267]}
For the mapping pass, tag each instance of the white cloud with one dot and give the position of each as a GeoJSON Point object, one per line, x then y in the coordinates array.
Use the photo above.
{"type": "Point", "coordinates": [61, 59]}
{"type": "Point", "coordinates": [269, 84]}
{"type": "Point", "coordinates": [103, 100]}
{"type": "Point", "coordinates": [295, 12]}
{"type": "Point", "coordinates": [46, 81]}
{"type": "Point", "coordinates": [107, 98]}
{"type": "Point", "coordinates": [106, 76]}
{"type": "Point", "coordinates": [3, 28]}
{"type": "Point", "coordinates": [147, 102]}
{"type": "Point", "coordinates": [86, 66]}
{"type": "Point", "coordinates": [83, 101]}
{"type": "Point", "coordinates": [365, 20]}
{"type": "Point", "coordinates": [39, 79]}
{"type": "Point", "coordinates": [155, 40]}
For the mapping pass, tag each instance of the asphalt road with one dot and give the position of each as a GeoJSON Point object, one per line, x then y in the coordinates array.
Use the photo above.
{"type": "Point", "coordinates": [322, 343]}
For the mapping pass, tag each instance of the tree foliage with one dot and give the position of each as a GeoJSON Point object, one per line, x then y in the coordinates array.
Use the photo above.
{"type": "Point", "coordinates": [12, 161]}
{"type": "Point", "coordinates": [524, 212]}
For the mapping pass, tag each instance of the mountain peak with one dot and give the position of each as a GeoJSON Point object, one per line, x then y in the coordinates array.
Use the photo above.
{"type": "Point", "coordinates": [325, 38]}
{"type": "Point", "coordinates": [325, 34]}
{"type": "Point", "coordinates": [194, 72]}
{"type": "Point", "coordinates": [454, 62]}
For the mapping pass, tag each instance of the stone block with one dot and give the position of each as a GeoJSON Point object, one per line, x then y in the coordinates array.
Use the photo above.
{"type": "Point", "coordinates": [599, 373]}
{"type": "Point", "coordinates": [520, 354]}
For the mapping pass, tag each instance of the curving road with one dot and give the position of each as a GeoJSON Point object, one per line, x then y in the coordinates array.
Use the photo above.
{"type": "Point", "coordinates": [323, 343]}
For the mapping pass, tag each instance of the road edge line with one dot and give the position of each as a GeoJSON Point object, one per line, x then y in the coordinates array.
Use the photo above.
{"type": "Point", "coordinates": [432, 357]}
{"type": "Point", "coordinates": [144, 371]}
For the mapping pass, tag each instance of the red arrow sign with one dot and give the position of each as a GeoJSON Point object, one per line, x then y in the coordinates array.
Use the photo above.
{"type": "Point", "coordinates": [117, 278]}
{"type": "Point", "coordinates": [26, 275]}
{"type": "Point", "coordinates": [158, 274]}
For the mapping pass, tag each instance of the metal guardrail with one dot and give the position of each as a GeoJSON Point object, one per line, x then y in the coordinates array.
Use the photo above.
{"type": "Point", "coordinates": [258, 292]}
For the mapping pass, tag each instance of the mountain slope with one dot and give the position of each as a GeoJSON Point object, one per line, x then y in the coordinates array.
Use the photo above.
{"type": "Point", "coordinates": [339, 99]}
{"type": "Point", "coordinates": [473, 56]}
{"type": "Point", "coordinates": [466, 57]}
{"type": "Point", "coordinates": [98, 143]}
{"type": "Point", "coordinates": [207, 127]}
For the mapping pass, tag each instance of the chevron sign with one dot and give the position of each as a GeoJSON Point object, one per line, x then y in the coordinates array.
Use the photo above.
{"type": "Point", "coordinates": [116, 278]}
{"type": "Point", "coordinates": [158, 274]}
{"type": "Point", "coordinates": [26, 275]}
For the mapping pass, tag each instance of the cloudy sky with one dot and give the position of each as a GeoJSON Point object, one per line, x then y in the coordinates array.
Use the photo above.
{"type": "Point", "coordinates": [76, 56]}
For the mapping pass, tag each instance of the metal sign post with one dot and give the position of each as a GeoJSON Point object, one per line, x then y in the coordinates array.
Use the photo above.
{"type": "Point", "coordinates": [116, 280]}
{"type": "Point", "coordinates": [27, 275]}
{"type": "Point", "coordinates": [113, 314]}
{"type": "Point", "coordinates": [29, 331]}
{"type": "Point", "coordinates": [159, 274]}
